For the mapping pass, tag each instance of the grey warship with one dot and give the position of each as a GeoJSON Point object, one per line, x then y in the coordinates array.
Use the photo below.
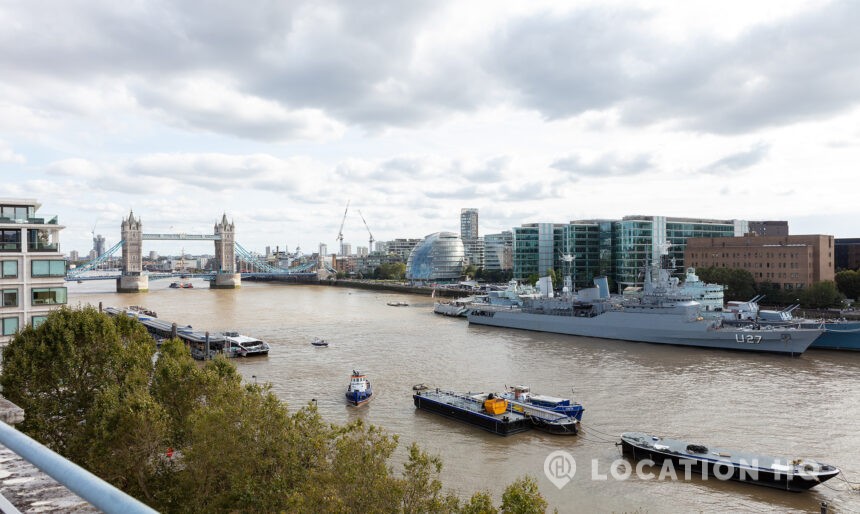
{"type": "Point", "coordinates": [660, 317]}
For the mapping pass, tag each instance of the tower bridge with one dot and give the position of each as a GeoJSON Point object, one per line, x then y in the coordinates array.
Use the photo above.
{"type": "Point", "coordinates": [133, 278]}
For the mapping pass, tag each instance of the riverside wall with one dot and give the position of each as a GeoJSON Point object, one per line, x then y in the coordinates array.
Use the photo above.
{"type": "Point", "coordinates": [374, 285]}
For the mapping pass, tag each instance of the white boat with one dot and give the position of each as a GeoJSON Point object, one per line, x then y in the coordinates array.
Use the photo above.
{"type": "Point", "coordinates": [237, 345]}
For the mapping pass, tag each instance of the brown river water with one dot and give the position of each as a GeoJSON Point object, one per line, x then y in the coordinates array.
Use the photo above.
{"type": "Point", "coordinates": [783, 406]}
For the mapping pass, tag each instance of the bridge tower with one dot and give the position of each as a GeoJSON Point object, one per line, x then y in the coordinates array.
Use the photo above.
{"type": "Point", "coordinates": [225, 257]}
{"type": "Point", "coordinates": [132, 279]}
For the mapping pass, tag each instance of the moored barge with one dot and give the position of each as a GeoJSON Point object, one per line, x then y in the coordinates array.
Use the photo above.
{"type": "Point", "coordinates": [782, 473]}
{"type": "Point", "coordinates": [491, 414]}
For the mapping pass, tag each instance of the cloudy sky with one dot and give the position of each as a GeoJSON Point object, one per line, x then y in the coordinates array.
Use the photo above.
{"type": "Point", "coordinates": [277, 113]}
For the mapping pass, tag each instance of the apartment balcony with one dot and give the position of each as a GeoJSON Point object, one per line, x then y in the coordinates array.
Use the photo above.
{"type": "Point", "coordinates": [37, 246]}
{"type": "Point", "coordinates": [41, 220]}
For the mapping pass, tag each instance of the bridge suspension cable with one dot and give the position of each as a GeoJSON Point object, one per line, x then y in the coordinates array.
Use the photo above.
{"type": "Point", "coordinates": [259, 264]}
{"type": "Point", "coordinates": [101, 259]}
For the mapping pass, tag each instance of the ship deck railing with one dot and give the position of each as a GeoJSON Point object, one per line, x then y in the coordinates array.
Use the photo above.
{"type": "Point", "coordinates": [535, 412]}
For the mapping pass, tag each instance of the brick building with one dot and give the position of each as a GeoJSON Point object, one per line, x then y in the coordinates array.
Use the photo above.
{"type": "Point", "coordinates": [789, 262]}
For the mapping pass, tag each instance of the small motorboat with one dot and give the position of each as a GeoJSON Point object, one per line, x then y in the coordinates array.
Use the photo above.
{"type": "Point", "coordinates": [420, 387]}
{"type": "Point", "coordinates": [791, 474]}
{"type": "Point", "coordinates": [359, 391]}
{"type": "Point", "coordinates": [319, 342]}
{"type": "Point", "coordinates": [398, 304]}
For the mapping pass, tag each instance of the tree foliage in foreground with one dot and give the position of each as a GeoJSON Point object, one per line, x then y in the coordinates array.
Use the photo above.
{"type": "Point", "coordinates": [94, 391]}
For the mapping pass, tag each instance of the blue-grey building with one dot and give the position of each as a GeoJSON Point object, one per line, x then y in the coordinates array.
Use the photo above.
{"type": "Point", "coordinates": [440, 256]}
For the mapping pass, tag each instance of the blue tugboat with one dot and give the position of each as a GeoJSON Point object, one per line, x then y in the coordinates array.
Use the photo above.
{"type": "Point", "coordinates": [522, 394]}
{"type": "Point", "coordinates": [359, 391]}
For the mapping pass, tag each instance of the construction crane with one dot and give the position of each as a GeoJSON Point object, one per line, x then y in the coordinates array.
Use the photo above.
{"type": "Point", "coordinates": [340, 232]}
{"type": "Point", "coordinates": [370, 246]}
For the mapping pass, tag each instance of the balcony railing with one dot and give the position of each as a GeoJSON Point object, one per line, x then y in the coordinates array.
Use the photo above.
{"type": "Point", "coordinates": [42, 247]}
{"type": "Point", "coordinates": [10, 247]}
{"type": "Point", "coordinates": [41, 220]}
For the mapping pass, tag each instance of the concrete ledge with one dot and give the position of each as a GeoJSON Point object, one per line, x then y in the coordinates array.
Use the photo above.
{"type": "Point", "coordinates": [10, 413]}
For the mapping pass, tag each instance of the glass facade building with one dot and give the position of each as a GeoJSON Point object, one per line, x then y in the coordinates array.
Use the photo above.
{"type": "Point", "coordinates": [440, 256]}
{"type": "Point", "coordinates": [497, 251]}
{"type": "Point", "coordinates": [618, 249]}
{"type": "Point", "coordinates": [534, 248]}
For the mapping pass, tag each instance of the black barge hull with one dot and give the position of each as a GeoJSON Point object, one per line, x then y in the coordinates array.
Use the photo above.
{"type": "Point", "coordinates": [555, 428]}
{"type": "Point", "coordinates": [501, 426]}
{"type": "Point", "coordinates": [784, 481]}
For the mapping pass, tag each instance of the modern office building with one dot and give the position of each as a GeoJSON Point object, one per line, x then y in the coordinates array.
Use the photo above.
{"type": "Point", "coordinates": [847, 251]}
{"type": "Point", "coordinates": [586, 251]}
{"type": "Point", "coordinates": [440, 256]}
{"type": "Point", "coordinates": [32, 269]}
{"type": "Point", "coordinates": [498, 251]}
{"type": "Point", "coordinates": [402, 247]}
{"type": "Point", "coordinates": [789, 262]}
{"type": "Point", "coordinates": [618, 249]}
{"type": "Point", "coordinates": [534, 248]}
{"type": "Point", "coordinates": [641, 240]}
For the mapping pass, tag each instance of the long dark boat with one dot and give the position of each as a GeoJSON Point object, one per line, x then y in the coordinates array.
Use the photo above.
{"type": "Point", "coordinates": [490, 414]}
{"type": "Point", "coordinates": [782, 473]}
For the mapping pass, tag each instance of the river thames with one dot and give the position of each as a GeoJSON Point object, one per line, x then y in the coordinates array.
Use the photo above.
{"type": "Point", "coordinates": [782, 406]}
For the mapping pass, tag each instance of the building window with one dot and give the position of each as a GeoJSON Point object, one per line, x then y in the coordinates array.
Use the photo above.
{"type": "Point", "coordinates": [10, 326]}
{"type": "Point", "coordinates": [9, 269]}
{"type": "Point", "coordinates": [49, 295]}
{"type": "Point", "coordinates": [37, 320]}
{"type": "Point", "coordinates": [9, 298]}
{"type": "Point", "coordinates": [46, 268]}
{"type": "Point", "coordinates": [10, 240]}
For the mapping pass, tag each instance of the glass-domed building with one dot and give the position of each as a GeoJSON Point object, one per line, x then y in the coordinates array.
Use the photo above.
{"type": "Point", "coordinates": [440, 256]}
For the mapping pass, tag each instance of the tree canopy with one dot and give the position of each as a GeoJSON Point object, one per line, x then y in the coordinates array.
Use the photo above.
{"type": "Point", "coordinates": [188, 437]}
{"type": "Point", "coordinates": [848, 283]}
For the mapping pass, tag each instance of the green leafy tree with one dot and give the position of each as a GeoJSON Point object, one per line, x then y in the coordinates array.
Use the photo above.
{"type": "Point", "coordinates": [848, 283]}
{"type": "Point", "coordinates": [523, 497]}
{"type": "Point", "coordinates": [480, 503]}
{"type": "Point", "coordinates": [65, 371]}
{"type": "Point", "coordinates": [532, 279]}
{"type": "Point", "coordinates": [821, 296]}
{"type": "Point", "coordinates": [185, 437]}
{"type": "Point", "coordinates": [422, 488]}
{"type": "Point", "coordinates": [740, 284]}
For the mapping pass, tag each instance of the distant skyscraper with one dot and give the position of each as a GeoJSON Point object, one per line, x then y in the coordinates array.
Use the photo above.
{"type": "Point", "coordinates": [74, 256]}
{"type": "Point", "coordinates": [472, 243]}
{"type": "Point", "coordinates": [153, 255]}
{"type": "Point", "coordinates": [323, 249]}
{"type": "Point", "coordinates": [347, 248]}
{"type": "Point", "coordinates": [468, 224]}
{"type": "Point", "coordinates": [99, 245]}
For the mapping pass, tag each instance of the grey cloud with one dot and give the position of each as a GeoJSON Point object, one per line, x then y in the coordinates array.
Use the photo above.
{"type": "Point", "coordinates": [492, 171]}
{"type": "Point", "coordinates": [606, 165]}
{"type": "Point", "coordinates": [310, 67]}
{"type": "Point", "coordinates": [739, 160]}
{"type": "Point", "coordinates": [780, 73]}
{"type": "Point", "coordinates": [462, 193]}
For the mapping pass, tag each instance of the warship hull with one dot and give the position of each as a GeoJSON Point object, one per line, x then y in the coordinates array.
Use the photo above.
{"type": "Point", "coordinates": [654, 328]}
